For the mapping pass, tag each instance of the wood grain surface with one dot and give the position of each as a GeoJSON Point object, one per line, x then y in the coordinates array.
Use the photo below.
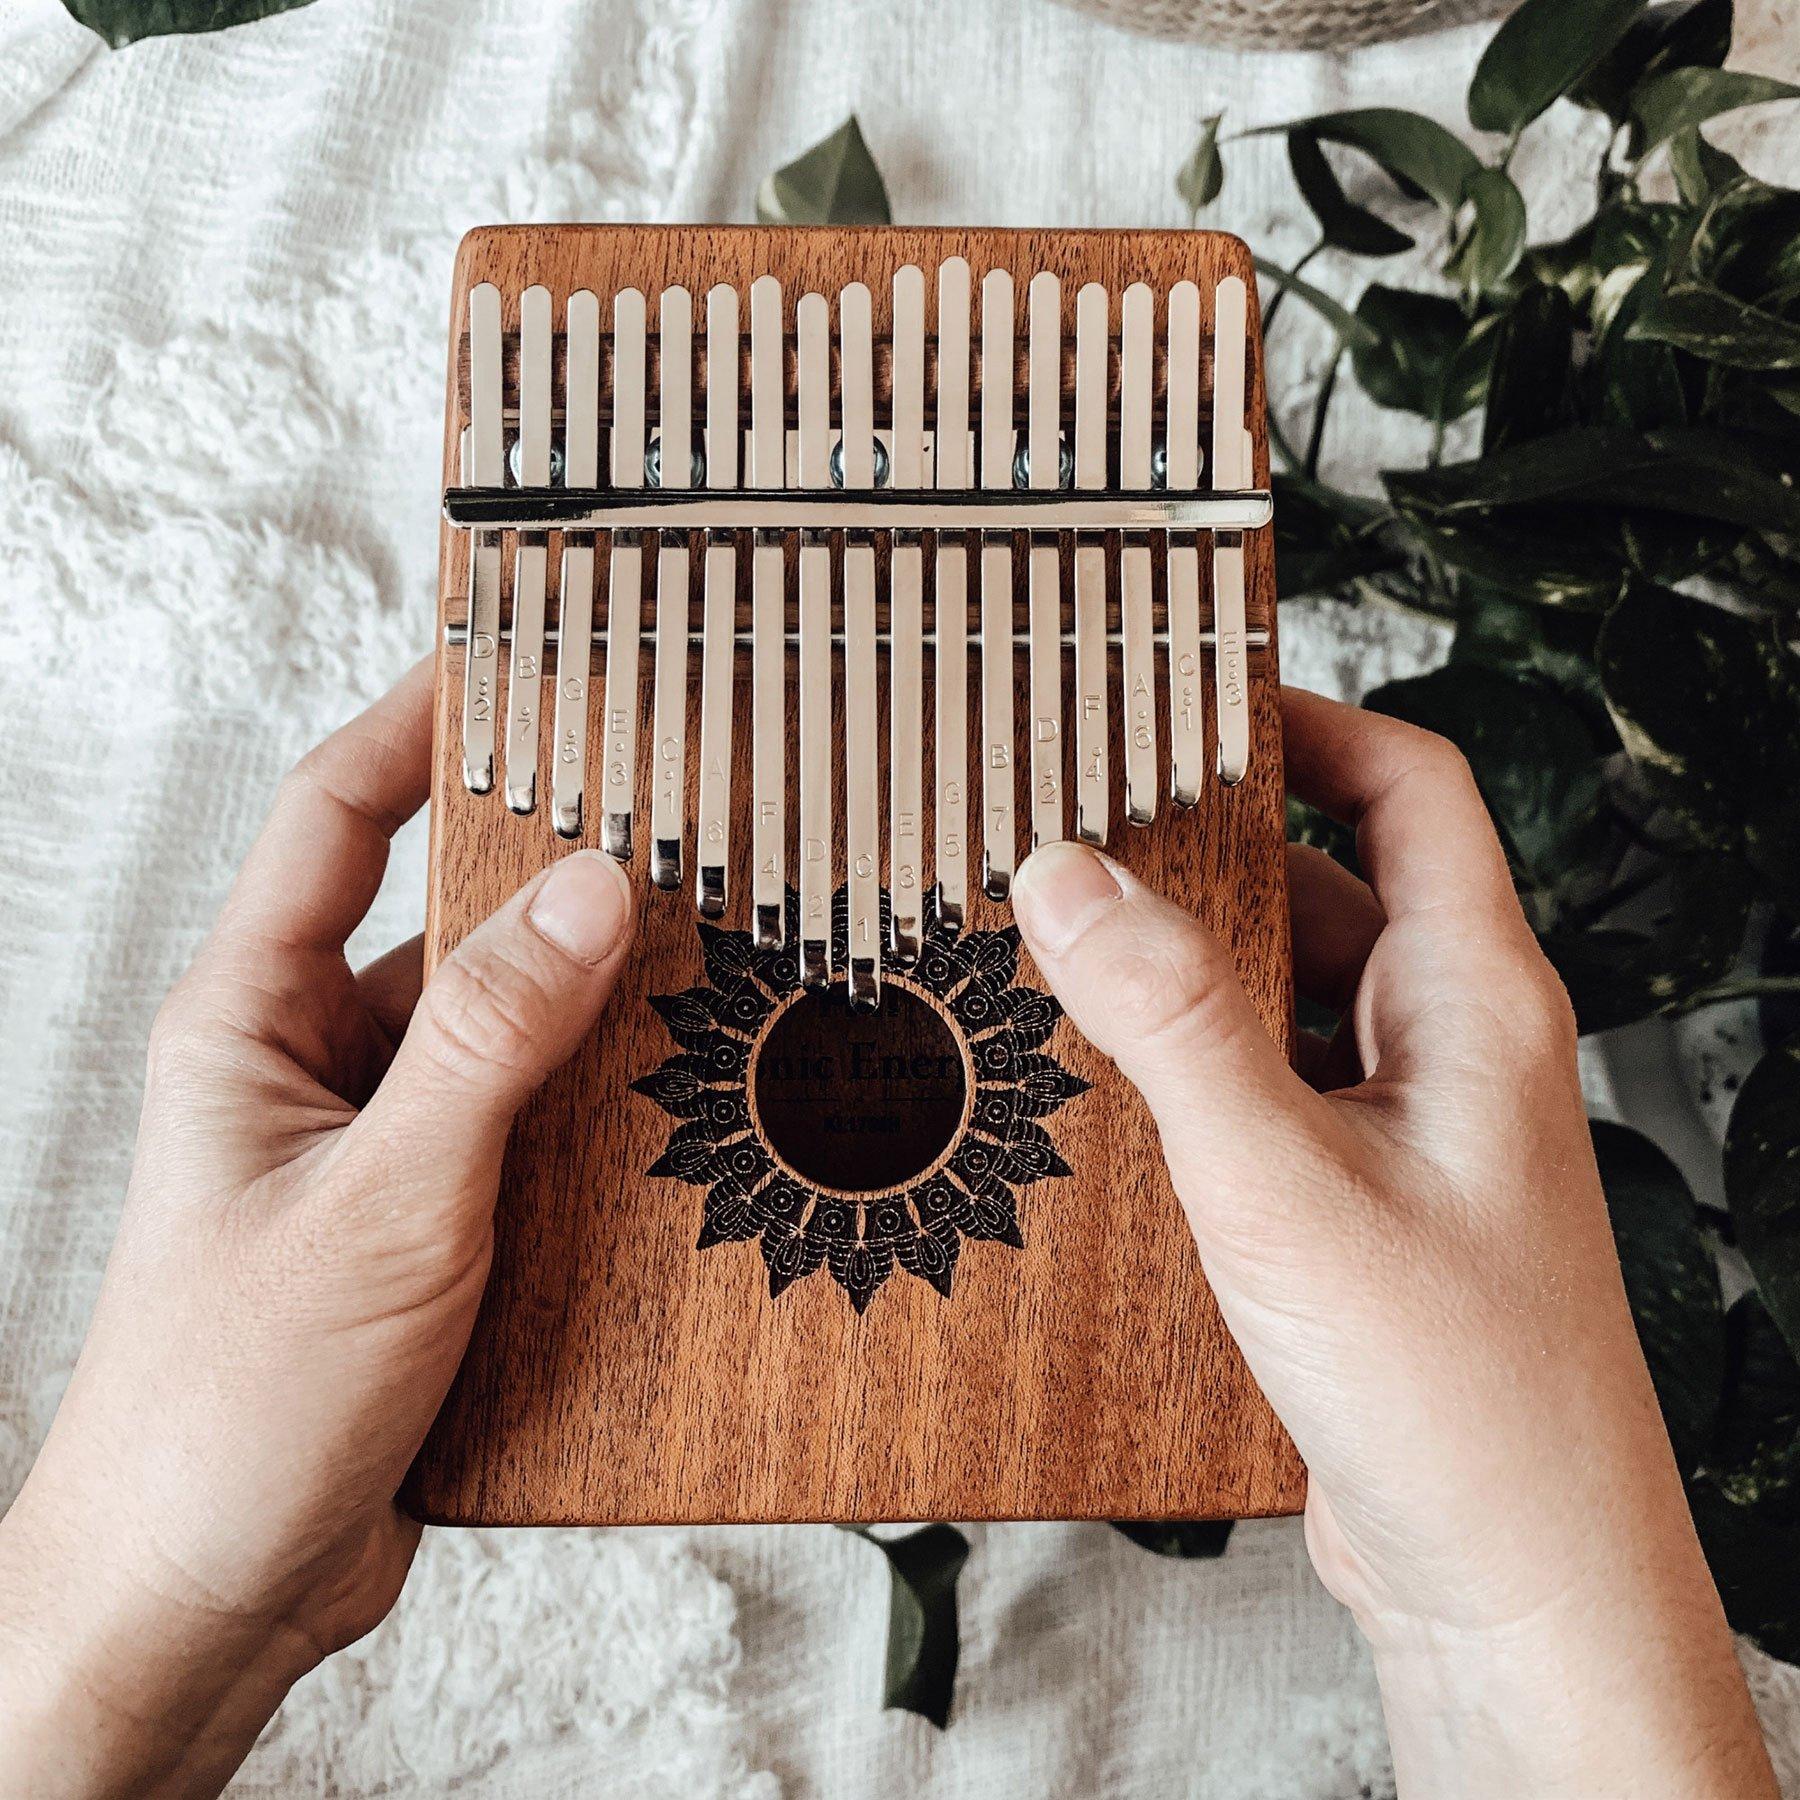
{"type": "Point", "coordinates": [620, 1374]}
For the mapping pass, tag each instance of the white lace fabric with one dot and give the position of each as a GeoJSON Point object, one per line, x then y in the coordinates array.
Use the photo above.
{"type": "Point", "coordinates": [222, 334]}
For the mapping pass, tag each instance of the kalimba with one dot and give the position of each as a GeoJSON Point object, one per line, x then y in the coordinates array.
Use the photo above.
{"type": "Point", "coordinates": [818, 575]}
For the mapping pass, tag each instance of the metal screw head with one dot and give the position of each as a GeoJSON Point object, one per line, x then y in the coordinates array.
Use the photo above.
{"type": "Point", "coordinates": [514, 456]}
{"type": "Point", "coordinates": [1159, 464]}
{"type": "Point", "coordinates": [837, 463]}
{"type": "Point", "coordinates": [1065, 464]}
{"type": "Point", "coordinates": [653, 465]}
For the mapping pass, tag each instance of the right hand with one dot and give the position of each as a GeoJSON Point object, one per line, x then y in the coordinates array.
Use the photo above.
{"type": "Point", "coordinates": [1415, 1258]}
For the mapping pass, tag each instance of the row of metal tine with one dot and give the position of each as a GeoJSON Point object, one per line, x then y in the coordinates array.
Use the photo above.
{"type": "Point", "coordinates": [914, 460]}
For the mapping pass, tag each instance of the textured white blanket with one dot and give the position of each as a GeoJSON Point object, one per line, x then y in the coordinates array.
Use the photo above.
{"type": "Point", "coordinates": [223, 281]}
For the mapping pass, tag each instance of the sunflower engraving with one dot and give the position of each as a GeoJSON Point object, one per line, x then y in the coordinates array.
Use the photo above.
{"type": "Point", "coordinates": [969, 1191]}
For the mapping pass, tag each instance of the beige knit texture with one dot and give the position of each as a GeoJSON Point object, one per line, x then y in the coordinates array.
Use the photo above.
{"type": "Point", "coordinates": [1287, 24]}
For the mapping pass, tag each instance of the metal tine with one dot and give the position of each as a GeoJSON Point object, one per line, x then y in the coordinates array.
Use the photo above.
{"type": "Point", "coordinates": [1043, 450]}
{"type": "Point", "coordinates": [674, 562]}
{"type": "Point", "coordinates": [862, 767]}
{"type": "Point", "coordinates": [997, 837]}
{"type": "Point", "coordinates": [817, 838]}
{"type": "Point", "coordinates": [1230, 469]}
{"type": "Point", "coordinates": [950, 622]}
{"type": "Point", "coordinates": [531, 556]}
{"type": "Point", "coordinates": [717, 648]}
{"type": "Point", "coordinates": [575, 617]}
{"type": "Point", "coordinates": [486, 469]}
{"type": "Point", "coordinates": [1092, 715]}
{"type": "Point", "coordinates": [1136, 346]}
{"type": "Point", "coordinates": [906, 575]}
{"type": "Point", "coordinates": [624, 582]}
{"type": "Point", "coordinates": [1182, 441]}
{"type": "Point", "coordinates": [768, 624]}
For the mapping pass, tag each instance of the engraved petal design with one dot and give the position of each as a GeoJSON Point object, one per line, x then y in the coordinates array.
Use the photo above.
{"type": "Point", "coordinates": [920, 1228]}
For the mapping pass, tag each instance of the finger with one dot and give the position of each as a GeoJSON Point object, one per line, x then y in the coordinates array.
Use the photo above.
{"type": "Point", "coordinates": [1456, 976]}
{"type": "Point", "coordinates": [390, 987]}
{"type": "Point", "coordinates": [1158, 993]}
{"type": "Point", "coordinates": [1336, 920]}
{"type": "Point", "coordinates": [313, 872]}
{"type": "Point", "coordinates": [510, 1004]}
{"type": "Point", "coordinates": [1423, 836]}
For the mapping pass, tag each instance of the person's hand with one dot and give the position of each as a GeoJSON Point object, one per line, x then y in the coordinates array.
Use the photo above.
{"type": "Point", "coordinates": [1417, 1264]}
{"type": "Point", "coordinates": [299, 1262]}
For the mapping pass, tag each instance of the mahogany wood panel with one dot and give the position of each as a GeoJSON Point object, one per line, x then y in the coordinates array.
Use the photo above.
{"type": "Point", "coordinates": [620, 1374]}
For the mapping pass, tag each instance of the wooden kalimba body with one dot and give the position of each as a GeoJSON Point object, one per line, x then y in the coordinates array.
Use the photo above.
{"type": "Point", "coordinates": [818, 575]}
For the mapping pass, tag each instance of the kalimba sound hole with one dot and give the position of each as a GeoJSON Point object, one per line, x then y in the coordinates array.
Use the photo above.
{"type": "Point", "coordinates": [858, 1102]}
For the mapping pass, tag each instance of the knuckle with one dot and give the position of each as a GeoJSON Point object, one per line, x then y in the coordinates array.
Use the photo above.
{"type": "Point", "coordinates": [485, 1015]}
{"type": "Point", "coordinates": [1442, 761]}
{"type": "Point", "coordinates": [184, 1033]}
{"type": "Point", "coordinates": [1159, 992]}
{"type": "Point", "coordinates": [1533, 1006]}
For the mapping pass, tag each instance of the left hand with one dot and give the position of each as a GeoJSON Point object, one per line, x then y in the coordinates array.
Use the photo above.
{"type": "Point", "coordinates": [302, 1250]}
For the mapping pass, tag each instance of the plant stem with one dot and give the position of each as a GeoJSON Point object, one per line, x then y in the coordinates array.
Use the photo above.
{"type": "Point", "coordinates": [1315, 441]}
{"type": "Point", "coordinates": [1281, 293]}
{"type": "Point", "coordinates": [1278, 442]}
{"type": "Point", "coordinates": [1745, 987]}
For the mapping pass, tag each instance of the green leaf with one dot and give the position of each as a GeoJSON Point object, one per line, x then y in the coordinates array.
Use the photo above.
{"type": "Point", "coordinates": [1491, 232]}
{"type": "Point", "coordinates": [1686, 97]}
{"type": "Point", "coordinates": [1424, 159]}
{"type": "Point", "coordinates": [1666, 37]}
{"type": "Point", "coordinates": [1534, 357]}
{"type": "Point", "coordinates": [1350, 329]}
{"type": "Point", "coordinates": [1746, 1501]}
{"type": "Point", "coordinates": [1762, 1181]}
{"type": "Point", "coordinates": [1418, 353]}
{"type": "Point", "coordinates": [1718, 329]}
{"type": "Point", "coordinates": [1190, 1538]}
{"type": "Point", "coordinates": [1707, 703]}
{"type": "Point", "coordinates": [1690, 936]}
{"type": "Point", "coordinates": [923, 1642]}
{"type": "Point", "coordinates": [1534, 757]}
{"type": "Point", "coordinates": [836, 182]}
{"type": "Point", "coordinates": [1344, 224]}
{"type": "Point", "coordinates": [1700, 170]}
{"type": "Point", "coordinates": [1556, 647]}
{"type": "Point", "coordinates": [1325, 539]}
{"type": "Point", "coordinates": [1543, 50]}
{"type": "Point", "coordinates": [1420, 155]}
{"type": "Point", "coordinates": [1671, 1281]}
{"type": "Point", "coordinates": [1746, 242]}
{"type": "Point", "coordinates": [1696, 472]}
{"type": "Point", "coordinates": [1539, 556]}
{"type": "Point", "coordinates": [1200, 178]}
{"type": "Point", "coordinates": [1760, 1407]}
{"type": "Point", "coordinates": [122, 22]}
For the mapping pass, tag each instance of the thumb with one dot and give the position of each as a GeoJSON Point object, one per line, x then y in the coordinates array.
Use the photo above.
{"type": "Point", "coordinates": [1150, 986]}
{"type": "Point", "coordinates": [510, 1004]}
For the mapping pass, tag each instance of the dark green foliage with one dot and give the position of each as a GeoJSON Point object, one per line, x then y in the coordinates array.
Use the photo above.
{"type": "Point", "coordinates": [1621, 564]}
{"type": "Point", "coordinates": [836, 182]}
{"type": "Point", "coordinates": [1544, 48]}
{"type": "Point", "coordinates": [923, 1642]}
{"type": "Point", "coordinates": [1199, 179]}
{"type": "Point", "coordinates": [123, 22]}
{"type": "Point", "coordinates": [1762, 1181]}
{"type": "Point", "coordinates": [1671, 1282]}
{"type": "Point", "coordinates": [1746, 1495]}
{"type": "Point", "coordinates": [1191, 1538]}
